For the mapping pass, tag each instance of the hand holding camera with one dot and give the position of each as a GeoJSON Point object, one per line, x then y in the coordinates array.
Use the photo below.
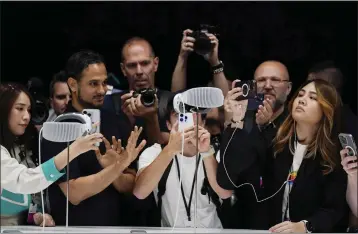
{"type": "Point", "coordinates": [235, 109]}
{"type": "Point", "coordinates": [142, 103]}
{"type": "Point", "coordinates": [203, 41]}
{"type": "Point", "coordinates": [187, 44]}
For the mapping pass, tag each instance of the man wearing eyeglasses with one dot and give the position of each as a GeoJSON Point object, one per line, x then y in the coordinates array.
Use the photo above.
{"type": "Point", "coordinates": [242, 210]}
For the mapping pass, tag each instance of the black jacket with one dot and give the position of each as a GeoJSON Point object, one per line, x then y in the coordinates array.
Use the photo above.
{"type": "Point", "coordinates": [315, 197]}
{"type": "Point", "coordinates": [244, 158]}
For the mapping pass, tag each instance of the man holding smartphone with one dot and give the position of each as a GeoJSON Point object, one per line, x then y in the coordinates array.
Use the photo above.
{"type": "Point", "coordinates": [161, 167]}
{"type": "Point", "coordinates": [241, 210]}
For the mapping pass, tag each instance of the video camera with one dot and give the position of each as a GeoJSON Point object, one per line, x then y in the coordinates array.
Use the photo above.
{"type": "Point", "coordinates": [40, 110]}
{"type": "Point", "coordinates": [202, 44]}
{"type": "Point", "coordinates": [147, 96]}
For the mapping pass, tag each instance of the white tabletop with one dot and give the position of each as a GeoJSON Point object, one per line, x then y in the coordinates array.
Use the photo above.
{"type": "Point", "coordinates": [61, 229]}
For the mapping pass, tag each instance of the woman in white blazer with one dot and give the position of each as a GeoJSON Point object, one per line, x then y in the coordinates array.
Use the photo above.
{"type": "Point", "coordinates": [18, 181]}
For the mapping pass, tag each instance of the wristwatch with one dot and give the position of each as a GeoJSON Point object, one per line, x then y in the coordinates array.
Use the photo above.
{"type": "Point", "coordinates": [308, 226]}
{"type": "Point", "coordinates": [218, 68]}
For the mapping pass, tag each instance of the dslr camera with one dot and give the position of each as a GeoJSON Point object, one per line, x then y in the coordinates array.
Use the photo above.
{"type": "Point", "coordinates": [202, 44]}
{"type": "Point", "coordinates": [147, 96]}
{"type": "Point", "coordinates": [249, 92]}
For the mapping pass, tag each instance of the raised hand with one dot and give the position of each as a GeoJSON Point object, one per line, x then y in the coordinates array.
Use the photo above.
{"type": "Point", "coordinates": [204, 139]}
{"type": "Point", "coordinates": [264, 113]}
{"type": "Point", "coordinates": [112, 152]}
{"type": "Point", "coordinates": [176, 138]}
{"type": "Point", "coordinates": [234, 110]}
{"type": "Point", "coordinates": [117, 154]}
{"type": "Point", "coordinates": [349, 163]}
{"type": "Point", "coordinates": [213, 56]}
{"type": "Point", "coordinates": [187, 43]}
{"type": "Point", "coordinates": [131, 152]}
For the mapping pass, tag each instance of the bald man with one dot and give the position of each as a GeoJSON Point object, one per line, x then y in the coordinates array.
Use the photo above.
{"type": "Point", "coordinates": [242, 210]}
{"type": "Point", "coordinates": [139, 65]}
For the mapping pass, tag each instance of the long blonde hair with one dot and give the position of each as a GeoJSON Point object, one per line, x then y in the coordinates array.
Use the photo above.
{"type": "Point", "coordinates": [326, 137]}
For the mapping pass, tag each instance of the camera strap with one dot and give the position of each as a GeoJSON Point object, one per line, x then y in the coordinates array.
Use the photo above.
{"type": "Point", "coordinates": [188, 205]}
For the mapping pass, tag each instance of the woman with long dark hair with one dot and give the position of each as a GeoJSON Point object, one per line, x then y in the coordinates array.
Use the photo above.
{"type": "Point", "coordinates": [306, 158]}
{"type": "Point", "coordinates": [19, 174]}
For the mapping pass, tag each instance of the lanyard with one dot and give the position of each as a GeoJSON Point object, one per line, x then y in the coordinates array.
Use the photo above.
{"type": "Point", "coordinates": [291, 178]}
{"type": "Point", "coordinates": [187, 207]}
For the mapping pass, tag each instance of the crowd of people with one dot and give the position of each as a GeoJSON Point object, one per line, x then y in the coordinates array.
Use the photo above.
{"type": "Point", "coordinates": [278, 166]}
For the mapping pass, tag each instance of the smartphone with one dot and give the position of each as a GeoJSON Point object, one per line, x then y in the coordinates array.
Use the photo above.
{"type": "Point", "coordinates": [347, 141]}
{"type": "Point", "coordinates": [249, 89]}
{"type": "Point", "coordinates": [95, 116]}
{"type": "Point", "coordinates": [185, 121]}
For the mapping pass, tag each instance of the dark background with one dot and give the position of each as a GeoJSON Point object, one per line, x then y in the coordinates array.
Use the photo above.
{"type": "Point", "coordinates": [38, 37]}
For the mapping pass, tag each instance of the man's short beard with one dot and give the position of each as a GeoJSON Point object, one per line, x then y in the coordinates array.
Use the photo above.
{"type": "Point", "coordinates": [85, 104]}
{"type": "Point", "coordinates": [278, 104]}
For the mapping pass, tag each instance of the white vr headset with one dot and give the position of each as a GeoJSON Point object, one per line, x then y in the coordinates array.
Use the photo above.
{"type": "Point", "coordinates": [200, 100]}
{"type": "Point", "coordinates": [62, 129]}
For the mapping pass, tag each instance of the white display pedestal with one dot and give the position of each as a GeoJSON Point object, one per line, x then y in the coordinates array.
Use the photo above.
{"type": "Point", "coordinates": [34, 229]}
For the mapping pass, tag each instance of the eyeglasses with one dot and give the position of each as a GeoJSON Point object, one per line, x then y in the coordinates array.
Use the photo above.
{"type": "Point", "coordinates": [274, 81]}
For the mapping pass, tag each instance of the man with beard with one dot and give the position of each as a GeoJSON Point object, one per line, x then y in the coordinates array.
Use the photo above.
{"type": "Point", "coordinates": [95, 180]}
{"type": "Point", "coordinates": [241, 210]}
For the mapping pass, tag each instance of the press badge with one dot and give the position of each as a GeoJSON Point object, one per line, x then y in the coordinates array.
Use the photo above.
{"type": "Point", "coordinates": [188, 223]}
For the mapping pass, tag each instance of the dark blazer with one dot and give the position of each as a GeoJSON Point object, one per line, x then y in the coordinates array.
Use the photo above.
{"type": "Point", "coordinates": [318, 198]}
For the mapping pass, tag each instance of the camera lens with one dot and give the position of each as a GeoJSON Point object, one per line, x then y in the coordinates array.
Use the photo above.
{"type": "Point", "coordinates": [85, 112]}
{"type": "Point", "coordinates": [148, 97]}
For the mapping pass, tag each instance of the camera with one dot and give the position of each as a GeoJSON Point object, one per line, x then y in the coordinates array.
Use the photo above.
{"type": "Point", "coordinates": [147, 96]}
{"type": "Point", "coordinates": [249, 92]}
{"type": "Point", "coordinates": [40, 110]}
{"type": "Point", "coordinates": [202, 44]}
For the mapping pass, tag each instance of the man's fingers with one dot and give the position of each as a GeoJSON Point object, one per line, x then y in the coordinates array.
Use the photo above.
{"type": "Point", "coordinates": [141, 145]}
{"type": "Point", "coordinates": [127, 95]}
{"type": "Point", "coordinates": [235, 96]}
{"type": "Point", "coordinates": [107, 144]}
{"type": "Point", "coordinates": [98, 153]}
{"type": "Point", "coordinates": [114, 143]}
{"type": "Point", "coordinates": [234, 83]}
{"type": "Point", "coordinates": [268, 106]}
{"type": "Point", "coordinates": [187, 31]}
